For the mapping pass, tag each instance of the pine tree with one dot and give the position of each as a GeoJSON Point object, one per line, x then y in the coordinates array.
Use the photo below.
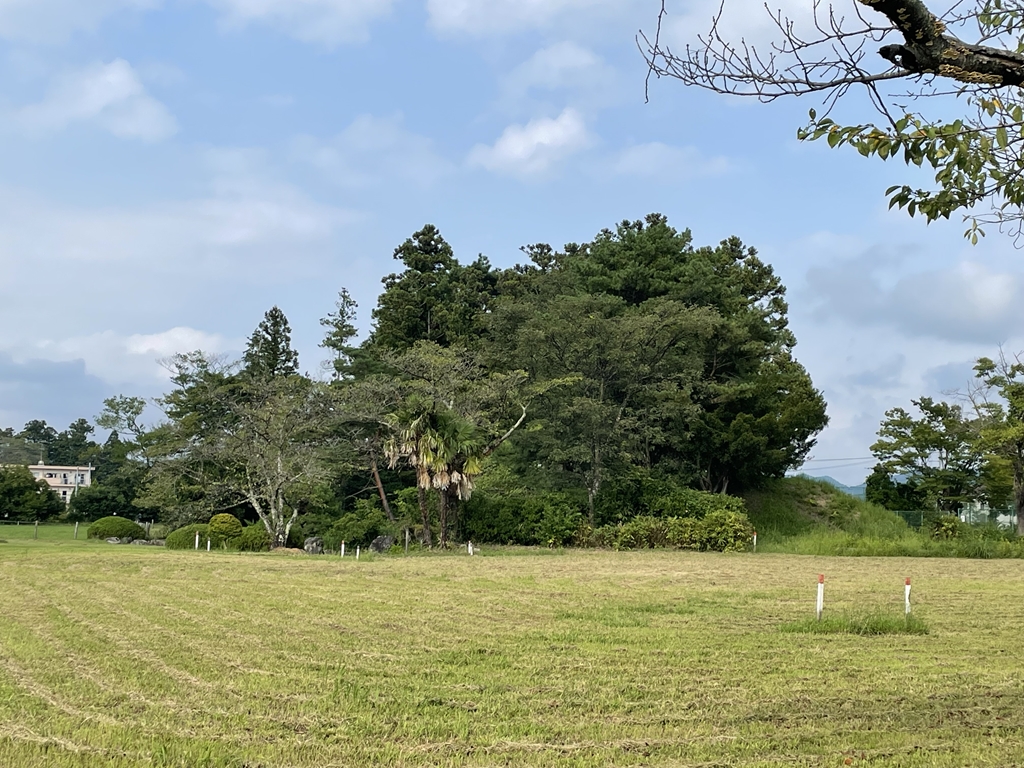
{"type": "Point", "coordinates": [269, 353]}
{"type": "Point", "coordinates": [341, 329]}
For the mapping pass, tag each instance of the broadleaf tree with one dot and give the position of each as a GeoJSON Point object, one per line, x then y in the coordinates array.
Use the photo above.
{"type": "Point", "coordinates": [944, 78]}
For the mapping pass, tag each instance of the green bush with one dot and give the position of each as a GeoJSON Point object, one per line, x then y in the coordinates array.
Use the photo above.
{"type": "Point", "coordinates": [185, 538]}
{"type": "Point", "coordinates": [684, 532]}
{"type": "Point", "coordinates": [108, 527]}
{"type": "Point", "coordinates": [719, 531]}
{"type": "Point", "coordinates": [686, 502]}
{"type": "Point", "coordinates": [559, 521]}
{"type": "Point", "coordinates": [224, 528]}
{"type": "Point", "coordinates": [253, 538]}
{"type": "Point", "coordinates": [725, 531]}
{"type": "Point", "coordinates": [947, 527]}
{"type": "Point", "coordinates": [642, 533]}
{"type": "Point", "coordinates": [358, 527]}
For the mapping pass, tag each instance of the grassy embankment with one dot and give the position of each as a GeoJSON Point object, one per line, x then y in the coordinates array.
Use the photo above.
{"type": "Point", "coordinates": [806, 517]}
{"type": "Point", "coordinates": [124, 656]}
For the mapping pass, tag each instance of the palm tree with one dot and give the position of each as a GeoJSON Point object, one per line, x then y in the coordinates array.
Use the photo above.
{"type": "Point", "coordinates": [446, 451]}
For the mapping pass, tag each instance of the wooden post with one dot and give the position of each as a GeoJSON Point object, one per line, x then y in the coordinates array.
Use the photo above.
{"type": "Point", "coordinates": [821, 594]}
{"type": "Point", "coordinates": [35, 532]}
{"type": "Point", "coordinates": [76, 530]}
{"type": "Point", "coordinates": [755, 541]}
{"type": "Point", "coordinates": [407, 541]}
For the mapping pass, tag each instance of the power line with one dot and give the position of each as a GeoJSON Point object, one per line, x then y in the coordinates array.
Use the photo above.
{"type": "Point", "coordinates": [848, 458]}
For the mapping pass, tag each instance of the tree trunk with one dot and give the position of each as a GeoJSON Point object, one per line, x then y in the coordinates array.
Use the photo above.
{"type": "Point", "coordinates": [594, 486]}
{"type": "Point", "coordinates": [380, 489]}
{"type": "Point", "coordinates": [442, 505]}
{"type": "Point", "coordinates": [421, 496]}
{"type": "Point", "coordinates": [1018, 494]}
{"type": "Point", "coordinates": [931, 49]}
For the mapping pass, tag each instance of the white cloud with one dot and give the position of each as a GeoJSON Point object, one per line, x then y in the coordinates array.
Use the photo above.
{"type": "Point", "coordinates": [53, 20]}
{"type": "Point", "coordinates": [126, 359]}
{"type": "Point", "coordinates": [655, 160]}
{"type": "Point", "coordinates": [111, 96]}
{"type": "Point", "coordinates": [487, 17]}
{"type": "Point", "coordinates": [564, 67]}
{"type": "Point", "coordinates": [968, 302]}
{"type": "Point", "coordinates": [372, 150]}
{"type": "Point", "coordinates": [535, 148]}
{"type": "Point", "coordinates": [328, 22]}
{"type": "Point", "coordinates": [77, 278]}
{"type": "Point", "coordinates": [750, 22]}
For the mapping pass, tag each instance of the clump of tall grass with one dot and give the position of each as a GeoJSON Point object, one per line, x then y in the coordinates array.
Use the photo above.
{"type": "Point", "coordinates": [909, 543]}
{"type": "Point", "coordinates": [878, 623]}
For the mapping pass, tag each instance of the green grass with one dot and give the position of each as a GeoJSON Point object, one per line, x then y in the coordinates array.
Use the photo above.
{"type": "Point", "coordinates": [877, 623]}
{"type": "Point", "coordinates": [132, 656]}
{"type": "Point", "coordinates": [49, 533]}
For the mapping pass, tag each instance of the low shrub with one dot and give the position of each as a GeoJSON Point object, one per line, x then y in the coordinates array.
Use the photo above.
{"type": "Point", "coordinates": [253, 538]}
{"type": "Point", "coordinates": [185, 538]}
{"type": "Point", "coordinates": [559, 521]}
{"type": "Point", "coordinates": [224, 528]}
{"type": "Point", "coordinates": [725, 531]}
{"type": "Point", "coordinates": [719, 532]}
{"type": "Point", "coordinates": [947, 527]}
{"type": "Point", "coordinates": [108, 527]}
{"type": "Point", "coordinates": [359, 527]}
{"type": "Point", "coordinates": [686, 502]}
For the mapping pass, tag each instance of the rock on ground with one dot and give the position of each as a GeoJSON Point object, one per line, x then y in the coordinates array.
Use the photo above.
{"type": "Point", "coordinates": [314, 545]}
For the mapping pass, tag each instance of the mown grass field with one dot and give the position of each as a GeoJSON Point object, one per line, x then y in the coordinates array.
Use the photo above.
{"type": "Point", "coordinates": [125, 656]}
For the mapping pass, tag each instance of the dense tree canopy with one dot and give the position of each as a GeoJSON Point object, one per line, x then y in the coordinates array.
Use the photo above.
{"type": "Point", "coordinates": [635, 361]}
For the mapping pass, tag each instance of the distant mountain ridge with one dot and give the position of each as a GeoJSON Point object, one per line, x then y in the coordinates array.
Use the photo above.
{"type": "Point", "coordinates": [857, 491]}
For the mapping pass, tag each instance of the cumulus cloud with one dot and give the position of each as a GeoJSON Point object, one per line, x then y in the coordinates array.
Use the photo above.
{"type": "Point", "coordinates": [535, 148]}
{"type": "Point", "coordinates": [373, 150]}
{"type": "Point", "coordinates": [567, 68]}
{"type": "Point", "coordinates": [122, 359]}
{"type": "Point", "coordinates": [58, 392]}
{"type": "Point", "coordinates": [655, 160]}
{"type": "Point", "coordinates": [968, 302]}
{"type": "Point", "coordinates": [111, 96]}
{"type": "Point", "coordinates": [488, 17]}
{"type": "Point", "coordinates": [75, 275]}
{"type": "Point", "coordinates": [327, 22]}
{"type": "Point", "coordinates": [54, 20]}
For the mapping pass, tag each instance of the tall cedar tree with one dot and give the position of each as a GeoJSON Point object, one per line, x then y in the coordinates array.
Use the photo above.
{"type": "Point", "coordinates": [269, 353]}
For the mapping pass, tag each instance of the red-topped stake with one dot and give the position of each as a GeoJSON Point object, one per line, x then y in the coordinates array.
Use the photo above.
{"type": "Point", "coordinates": [906, 596]}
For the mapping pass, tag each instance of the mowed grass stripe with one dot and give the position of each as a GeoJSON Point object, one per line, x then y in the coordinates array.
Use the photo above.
{"type": "Point", "coordinates": [581, 659]}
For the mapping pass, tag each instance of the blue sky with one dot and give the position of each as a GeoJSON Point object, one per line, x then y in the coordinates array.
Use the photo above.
{"type": "Point", "coordinates": [169, 169]}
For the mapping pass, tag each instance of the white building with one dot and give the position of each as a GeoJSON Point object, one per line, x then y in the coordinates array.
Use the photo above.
{"type": "Point", "coordinates": [64, 480]}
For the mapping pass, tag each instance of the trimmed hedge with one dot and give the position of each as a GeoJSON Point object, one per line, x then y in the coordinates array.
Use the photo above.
{"type": "Point", "coordinates": [253, 538]}
{"type": "Point", "coordinates": [717, 532]}
{"type": "Point", "coordinates": [108, 527]}
{"type": "Point", "coordinates": [185, 538]}
{"type": "Point", "coordinates": [224, 527]}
